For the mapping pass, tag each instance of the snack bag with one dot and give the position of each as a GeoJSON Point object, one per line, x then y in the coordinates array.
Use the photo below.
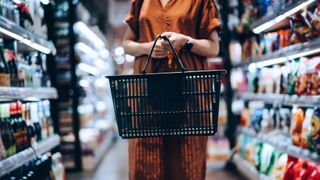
{"type": "Point", "coordinates": [313, 74]}
{"type": "Point", "coordinates": [293, 75]}
{"type": "Point", "coordinates": [290, 168]}
{"type": "Point", "coordinates": [296, 125]}
{"type": "Point", "coordinates": [315, 174]}
{"type": "Point", "coordinates": [279, 168]}
{"type": "Point", "coordinates": [306, 129]}
{"type": "Point", "coordinates": [303, 77]}
{"type": "Point", "coordinates": [315, 131]}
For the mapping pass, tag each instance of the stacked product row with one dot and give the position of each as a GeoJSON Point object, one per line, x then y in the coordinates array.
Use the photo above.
{"type": "Point", "coordinates": [275, 164]}
{"type": "Point", "coordinates": [297, 126]}
{"type": "Point", "coordinates": [46, 167]}
{"type": "Point", "coordinates": [298, 28]}
{"type": "Point", "coordinates": [298, 77]}
{"type": "Point", "coordinates": [22, 125]}
{"type": "Point", "coordinates": [22, 69]}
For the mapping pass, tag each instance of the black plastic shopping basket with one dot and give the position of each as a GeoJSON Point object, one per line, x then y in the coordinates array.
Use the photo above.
{"type": "Point", "coordinates": [166, 104]}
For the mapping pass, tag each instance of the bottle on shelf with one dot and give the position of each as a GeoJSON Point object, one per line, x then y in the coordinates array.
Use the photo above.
{"type": "Point", "coordinates": [30, 126]}
{"type": "Point", "coordinates": [36, 121]}
{"type": "Point", "coordinates": [4, 70]}
{"type": "Point", "coordinates": [7, 133]}
{"type": "Point", "coordinates": [12, 68]}
{"type": "Point", "coordinates": [17, 129]}
{"type": "Point", "coordinates": [3, 153]}
{"type": "Point", "coordinates": [23, 125]}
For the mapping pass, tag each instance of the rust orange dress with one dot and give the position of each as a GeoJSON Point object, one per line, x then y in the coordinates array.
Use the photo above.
{"type": "Point", "coordinates": [165, 158]}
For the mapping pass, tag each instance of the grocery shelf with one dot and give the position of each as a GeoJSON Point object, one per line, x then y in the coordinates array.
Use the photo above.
{"type": "Point", "coordinates": [25, 36]}
{"type": "Point", "coordinates": [247, 169]}
{"type": "Point", "coordinates": [272, 19]}
{"type": "Point", "coordinates": [10, 164]}
{"type": "Point", "coordinates": [283, 55]}
{"type": "Point", "coordinates": [283, 144]}
{"type": "Point", "coordinates": [23, 93]}
{"type": "Point", "coordinates": [288, 100]}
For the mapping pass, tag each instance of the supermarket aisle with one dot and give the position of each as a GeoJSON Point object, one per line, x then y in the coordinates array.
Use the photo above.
{"type": "Point", "coordinates": [115, 167]}
{"type": "Point", "coordinates": [115, 164]}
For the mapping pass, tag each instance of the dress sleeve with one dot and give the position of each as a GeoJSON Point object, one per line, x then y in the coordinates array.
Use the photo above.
{"type": "Point", "coordinates": [132, 18]}
{"type": "Point", "coordinates": [210, 19]}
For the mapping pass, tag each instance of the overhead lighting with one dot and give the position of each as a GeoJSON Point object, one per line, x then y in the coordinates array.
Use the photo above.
{"type": "Point", "coordinates": [25, 41]}
{"type": "Point", "coordinates": [129, 58]}
{"type": "Point", "coordinates": [120, 60]}
{"type": "Point", "coordinates": [36, 46]}
{"type": "Point", "coordinates": [89, 34]}
{"type": "Point", "coordinates": [284, 59]}
{"type": "Point", "coordinates": [271, 62]}
{"type": "Point", "coordinates": [281, 17]}
{"type": "Point", "coordinates": [104, 53]}
{"type": "Point", "coordinates": [84, 83]}
{"type": "Point", "coordinates": [11, 34]}
{"type": "Point", "coordinates": [45, 2]}
{"type": "Point", "coordinates": [88, 69]}
{"type": "Point", "coordinates": [87, 50]}
{"type": "Point", "coordinates": [119, 51]}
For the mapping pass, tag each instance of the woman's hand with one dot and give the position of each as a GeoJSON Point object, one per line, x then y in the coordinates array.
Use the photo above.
{"type": "Point", "coordinates": [176, 39]}
{"type": "Point", "coordinates": [159, 51]}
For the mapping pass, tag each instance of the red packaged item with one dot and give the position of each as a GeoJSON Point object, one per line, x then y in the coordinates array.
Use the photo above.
{"type": "Point", "coordinates": [306, 171]}
{"type": "Point", "coordinates": [315, 174]}
{"type": "Point", "coordinates": [290, 169]}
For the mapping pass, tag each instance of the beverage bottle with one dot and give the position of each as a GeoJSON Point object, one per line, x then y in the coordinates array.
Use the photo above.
{"type": "Point", "coordinates": [23, 126]}
{"type": "Point", "coordinates": [36, 121]}
{"type": "Point", "coordinates": [30, 127]}
{"type": "Point", "coordinates": [4, 71]}
{"type": "Point", "coordinates": [13, 69]}
{"type": "Point", "coordinates": [10, 141]}
{"type": "Point", "coordinates": [16, 127]}
{"type": "Point", "coordinates": [3, 153]}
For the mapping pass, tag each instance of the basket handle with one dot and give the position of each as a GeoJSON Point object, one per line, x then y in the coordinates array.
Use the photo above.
{"type": "Point", "coordinates": [171, 46]}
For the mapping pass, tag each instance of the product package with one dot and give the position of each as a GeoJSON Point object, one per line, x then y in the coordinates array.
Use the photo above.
{"type": "Point", "coordinates": [296, 125]}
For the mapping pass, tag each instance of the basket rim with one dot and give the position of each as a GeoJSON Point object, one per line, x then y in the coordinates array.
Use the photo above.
{"type": "Point", "coordinates": [199, 72]}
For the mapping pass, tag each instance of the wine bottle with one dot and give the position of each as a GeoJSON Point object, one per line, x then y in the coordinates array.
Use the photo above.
{"type": "Point", "coordinates": [23, 126]}
{"type": "Point", "coordinates": [4, 71]}
{"type": "Point", "coordinates": [12, 68]}
{"type": "Point", "coordinates": [3, 153]}
{"type": "Point", "coordinates": [10, 142]}
{"type": "Point", "coordinates": [16, 127]}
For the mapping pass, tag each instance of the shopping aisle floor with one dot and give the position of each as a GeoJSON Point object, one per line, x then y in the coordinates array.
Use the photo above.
{"type": "Point", "coordinates": [115, 167]}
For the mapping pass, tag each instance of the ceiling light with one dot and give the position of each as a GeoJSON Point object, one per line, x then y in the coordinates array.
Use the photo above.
{"type": "Point", "coordinates": [81, 27]}
{"type": "Point", "coordinates": [45, 2]}
{"type": "Point", "coordinates": [88, 69]}
{"type": "Point", "coordinates": [271, 62]}
{"type": "Point", "coordinates": [119, 51]}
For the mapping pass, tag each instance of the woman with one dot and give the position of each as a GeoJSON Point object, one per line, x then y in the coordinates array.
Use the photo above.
{"type": "Point", "coordinates": [191, 26]}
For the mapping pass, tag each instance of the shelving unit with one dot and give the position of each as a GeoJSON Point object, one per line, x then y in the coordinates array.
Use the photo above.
{"type": "Point", "coordinates": [268, 21]}
{"type": "Point", "coordinates": [287, 100]}
{"type": "Point", "coordinates": [23, 93]}
{"type": "Point", "coordinates": [10, 164]}
{"type": "Point", "coordinates": [284, 54]}
{"type": "Point", "coordinates": [12, 30]}
{"type": "Point", "coordinates": [283, 144]}
{"type": "Point", "coordinates": [247, 169]}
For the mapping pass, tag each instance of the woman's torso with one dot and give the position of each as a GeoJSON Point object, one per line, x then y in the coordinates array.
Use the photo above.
{"type": "Point", "coordinates": [180, 16]}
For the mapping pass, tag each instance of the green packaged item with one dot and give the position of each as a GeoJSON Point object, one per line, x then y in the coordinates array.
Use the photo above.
{"type": "Point", "coordinates": [293, 76]}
